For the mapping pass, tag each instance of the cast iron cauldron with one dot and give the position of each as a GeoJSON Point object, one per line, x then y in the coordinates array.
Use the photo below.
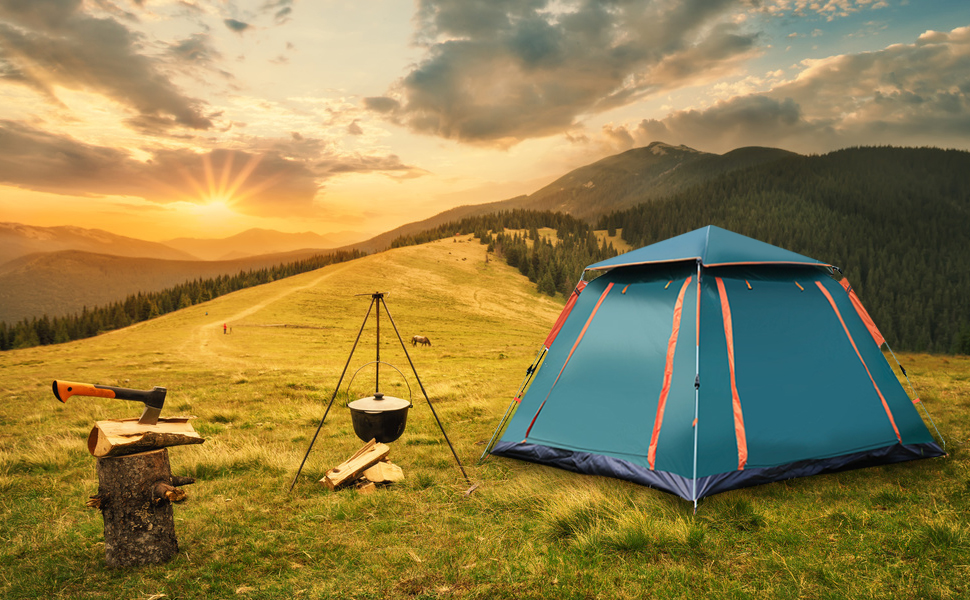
{"type": "Point", "coordinates": [379, 417]}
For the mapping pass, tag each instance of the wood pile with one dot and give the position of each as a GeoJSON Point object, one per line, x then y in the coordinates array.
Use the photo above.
{"type": "Point", "coordinates": [365, 469]}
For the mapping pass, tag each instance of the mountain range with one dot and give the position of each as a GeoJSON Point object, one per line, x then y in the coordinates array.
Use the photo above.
{"type": "Point", "coordinates": [650, 192]}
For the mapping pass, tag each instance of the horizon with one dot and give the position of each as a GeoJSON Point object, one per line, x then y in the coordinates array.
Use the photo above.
{"type": "Point", "coordinates": [161, 119]}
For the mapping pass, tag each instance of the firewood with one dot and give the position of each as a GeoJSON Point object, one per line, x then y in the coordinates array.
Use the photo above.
{"type": "Point", "coordinates": [350, 469]}
{"type": "Point", "coordinates": [384, 472]}
{"type": "Point", "coordinates": [127, 436]}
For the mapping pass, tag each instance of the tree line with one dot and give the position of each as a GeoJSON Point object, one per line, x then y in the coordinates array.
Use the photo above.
{"type": "Point", "coordinates": [553, 267]}
{"type": "Point", "coordinates": [42, 331]}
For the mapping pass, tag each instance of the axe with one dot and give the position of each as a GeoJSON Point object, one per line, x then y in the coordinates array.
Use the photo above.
{"type": "Point", "coordinates": [153, 399]}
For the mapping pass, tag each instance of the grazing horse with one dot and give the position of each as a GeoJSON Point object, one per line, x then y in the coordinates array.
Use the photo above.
{"type": "Point", "coordinates": [420, 339]}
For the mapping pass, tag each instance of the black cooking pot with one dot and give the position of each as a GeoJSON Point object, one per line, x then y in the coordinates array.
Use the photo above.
{"type": "Point", "coordinates": [379, 417]}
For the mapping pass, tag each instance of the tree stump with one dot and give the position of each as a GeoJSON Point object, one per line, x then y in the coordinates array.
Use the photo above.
{"type": "Point", "coordinates": [135, 495]}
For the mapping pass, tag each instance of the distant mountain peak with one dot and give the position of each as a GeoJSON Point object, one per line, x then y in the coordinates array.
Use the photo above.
{"type": "Point", "coordinates": [662, 148]}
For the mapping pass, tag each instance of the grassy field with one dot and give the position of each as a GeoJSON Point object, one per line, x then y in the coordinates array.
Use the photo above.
{"type": "Point", "coordinates": [901, 531]}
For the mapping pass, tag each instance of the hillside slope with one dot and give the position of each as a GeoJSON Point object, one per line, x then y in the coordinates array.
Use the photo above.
{"type": "Point", "coordinates": [302, 328]}
{"type": "Point", "coordinates": [641, 174]}
{"type": "Point", "coordinates": [63, 283]}
{"type": "Point", "coordinates": [613, 183]}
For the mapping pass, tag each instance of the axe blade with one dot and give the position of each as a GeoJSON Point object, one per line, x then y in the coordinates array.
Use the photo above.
{"type": "Point", "coordinates": [149, 416]}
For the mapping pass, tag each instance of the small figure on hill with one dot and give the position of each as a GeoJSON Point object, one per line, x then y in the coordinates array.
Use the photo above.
{"type": "Point", "coordinates": [223, 328]}
{"type": "Point", "coordinates": [420, 339]}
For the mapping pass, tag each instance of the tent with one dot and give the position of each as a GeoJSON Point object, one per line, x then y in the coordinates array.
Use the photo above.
{"type": "Point", "coordinates": [769, 369]}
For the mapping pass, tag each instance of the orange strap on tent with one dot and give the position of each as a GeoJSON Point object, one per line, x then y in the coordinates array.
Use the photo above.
{"type": "Point", "coordinates": [573, 349]}
{"type": "Point", "coordinates": [863, 313]}
{"type": "Point", "coordinates": [739, 433]}
{"type": "Point", "coordinates": [564, 314]}
{"type": "Point", "coordinates": [885, 404]}
{"type": "Point", "coordinates": [668, 373]}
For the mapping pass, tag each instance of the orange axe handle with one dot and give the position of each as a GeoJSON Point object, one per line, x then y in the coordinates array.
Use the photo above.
{"type": "Point", "coordinates": [65, 389]}
{"type": "Point", "coordinates": [153, 398]}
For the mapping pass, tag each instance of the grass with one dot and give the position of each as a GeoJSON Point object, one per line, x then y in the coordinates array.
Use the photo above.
{"type": "Point", "coordinates": [527, 532]}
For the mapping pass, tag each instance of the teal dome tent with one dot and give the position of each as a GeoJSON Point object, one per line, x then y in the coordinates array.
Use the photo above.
{"type": "Point", "coordinates": [709, 362]}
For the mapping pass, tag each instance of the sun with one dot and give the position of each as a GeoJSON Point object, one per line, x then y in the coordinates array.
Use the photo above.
{"type": "Point", "coordinates": [214, 208]}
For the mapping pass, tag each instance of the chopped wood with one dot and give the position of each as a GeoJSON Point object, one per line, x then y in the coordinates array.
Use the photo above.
{"type": "Point", "coordinates": [384, 472]}
{"type": "Point", "coordinates": [349, 470]}
{"type": "Point", "coordinates": [164, 491]}
{"type": "Point", "coordinates": [367, 488]}
{"type": "Point", "coordinates": [126, 436]}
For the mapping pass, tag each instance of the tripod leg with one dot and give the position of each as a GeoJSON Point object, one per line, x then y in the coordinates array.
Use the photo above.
{"type": "Point", "coordinates": [337, 387]}
{"type": "Point", "coordinates": [415, 371]}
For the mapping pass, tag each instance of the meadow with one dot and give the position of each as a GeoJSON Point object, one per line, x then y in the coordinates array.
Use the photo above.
{"type": "Point", "coordinates": [900, 531]}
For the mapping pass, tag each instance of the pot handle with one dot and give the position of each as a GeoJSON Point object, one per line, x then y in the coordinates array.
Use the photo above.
{"type": "Point", "coordinates": [374, 362]}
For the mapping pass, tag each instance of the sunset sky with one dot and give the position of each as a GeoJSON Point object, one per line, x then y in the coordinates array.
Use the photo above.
{"type": "Point", "coordinates": [202, 118]}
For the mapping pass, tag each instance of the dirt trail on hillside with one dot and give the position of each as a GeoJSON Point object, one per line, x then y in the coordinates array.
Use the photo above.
{"type": "Point", "coordinates": [198, 341]}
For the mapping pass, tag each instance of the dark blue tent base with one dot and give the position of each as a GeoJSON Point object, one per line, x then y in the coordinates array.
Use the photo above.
{"type": "Point", "coordinates": [598, 464]}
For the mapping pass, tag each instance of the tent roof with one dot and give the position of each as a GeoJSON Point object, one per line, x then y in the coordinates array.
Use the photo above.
{"type": "Point", "coordinates": [711, 245]}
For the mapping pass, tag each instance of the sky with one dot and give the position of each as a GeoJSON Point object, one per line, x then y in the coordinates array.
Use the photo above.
{"type": "Point", "coordinates": [160, 119]}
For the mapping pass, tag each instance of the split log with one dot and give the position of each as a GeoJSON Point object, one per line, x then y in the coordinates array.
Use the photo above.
{"type": "Point", "coordinates": [384, 472]}
{"type": "Point", "coordinates": [126, 436]}
{"type": "Point", "coordinates": [135, 495]}
{"type": "Point", "coordinates": [350, 469]}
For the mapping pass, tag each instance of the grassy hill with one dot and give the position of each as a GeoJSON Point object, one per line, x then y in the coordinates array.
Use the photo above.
{"type": "Point", "coordinates": [63, 283]}
{"type": "Point", "coordinates": [527, 532]}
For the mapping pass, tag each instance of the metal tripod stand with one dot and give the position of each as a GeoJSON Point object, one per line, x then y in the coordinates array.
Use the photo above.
{"type": "Point", "coordinates": [377, 299]}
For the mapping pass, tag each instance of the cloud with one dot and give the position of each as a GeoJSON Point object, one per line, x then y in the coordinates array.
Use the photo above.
{"type": "Point", "coordinates": [830, 9]}
{"type": "Point", "coordinates": [196, 49]}
{"type": "Point", "coordinates": [237, 26]}
{"type": "Point", "coordinates": [906, 94]}
{"type": "Point", "coordinates": [502, 71]}
{"type": "Point", "coordinates": [34, 159]}
{"type": "Point", "coordinates": [50, 43]}
{"type": "Point", "coordinates": [278, 177]}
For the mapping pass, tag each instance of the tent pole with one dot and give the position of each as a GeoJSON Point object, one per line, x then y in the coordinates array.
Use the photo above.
{"type": "Point", "coordinates": [915, 395]}
{"type": "Point", "coordinates": [697, 381]}
{"type": "Point", "coordinates": [518, 397]}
